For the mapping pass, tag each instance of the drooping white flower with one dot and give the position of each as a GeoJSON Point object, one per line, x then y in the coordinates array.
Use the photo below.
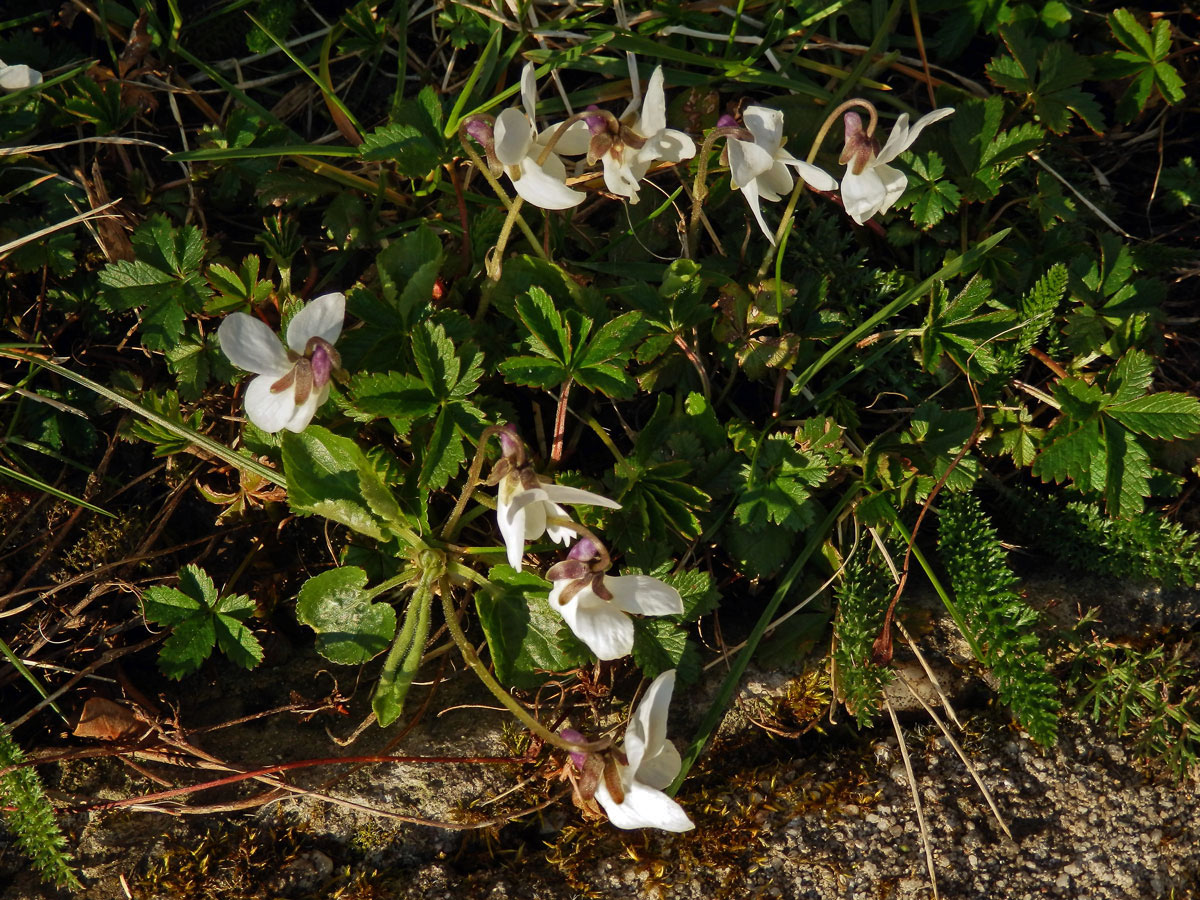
{"type": "Point", "coordinates": [517, 146]}
{"type": "Point", "coordinates": [596, 606]}
{"type": "Point", "coordinates": [870, 185]}
{"type": "Point", "coordinates": [633, 795]}
{"type": "Point", "coordinates": [627, 147]}
{"type": "Point", "coordinates": [16, 77]}
{"type": "Point", "coordinates": [292, 381]}
{"type": "Point", "coordinates": [759, 168]}
{"type": "Point", "coordinates": [525, 503]}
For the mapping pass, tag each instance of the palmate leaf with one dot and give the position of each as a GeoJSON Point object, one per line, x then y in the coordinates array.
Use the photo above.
{"type": "Point", "coordinates": [776, 486]}
{"type": "Point", "coordinates": [1050, 76]}
{"type": "Point", "coordinates": [930, 195]}
{"type": "Point", "coordinates": [1143, 61]}
{"type": "Point", "coordinates": [199, 620]}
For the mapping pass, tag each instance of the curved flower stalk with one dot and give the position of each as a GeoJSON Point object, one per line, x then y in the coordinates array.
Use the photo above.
{"type": "Point", "coordinates": [627, 147]}
{"type": "Point", "coordinates": [17, 77]}
{"type": "Point", "coordinates": [633, 781]}
{"type": "Point", "coordinates": [596, 606]}
{"type": "Point", "coordinates": [517, 145]}
{"type": "Point", "coordinates": [292, 381]}
{"type": "Point", "coordinates": [759, 167]}
{"type": "Point", "coordinates": [525, 505]}
{"type": "Point", "coordinates": [870, 185]}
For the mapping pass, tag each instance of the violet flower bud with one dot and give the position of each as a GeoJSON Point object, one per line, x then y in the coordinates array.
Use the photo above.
{"type": "Point", "coordinates": [578, 757]}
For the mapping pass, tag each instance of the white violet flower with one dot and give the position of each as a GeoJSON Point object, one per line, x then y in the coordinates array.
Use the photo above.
{"type": "Point", "coordinates": [870, 185]}
{"type": "Point", "coordinates": [629, 146]}
{"type": "Point", "coordinates": [292, 381]}
{"type": "Point", "coordinates": [759, 167]}
{"type": "Point", "coordinates": [525, 504]}
{"type": "Point", "coordinates": [14, 78]}
{"type": "Point", "coordinates": [517, 146]}
{"type": "Point", "coordinates": [631, 792]}
{"type": "Point", "coordinates": [596, 606]}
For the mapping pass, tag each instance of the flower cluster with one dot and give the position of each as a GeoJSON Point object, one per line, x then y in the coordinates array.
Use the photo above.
{"type": "Point", "coordinates": [627, 147]}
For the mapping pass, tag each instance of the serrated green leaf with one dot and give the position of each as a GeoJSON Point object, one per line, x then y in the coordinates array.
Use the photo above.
{"type": "Point", "coordinates": [525, 637]}
{"type": "Point", "coordinates": [1131, 377]}
{"type": "Point", "coordinates": [1166, 415]}
{"type": "Point", "coordinates": [414, 154]}
{"type": "Point", "coordinates": [1127, 480]}
{"type": "Point", "coordinates": [928, 194]}
{"type": "Point", "coordinates": [393, 395]}
{"type": "Point", "coordinates": [323, 479]}
{"type": "Point", "coordinates": [167, 606]}
{"type": "Point", "coordinates": [533, 371]}
{"type": "Point", "coordinates": [235, 639]}
{"type": "Point", "coordinates": [189, 645]}
{"type": "Point", "coordinates": [351, 629]}
{"type": "Point", "coordinates": [549, 335]}
{"type": "Point", "coordinates": [1126, 29]}
{"type": "Point", "coordinates": [659, 645]}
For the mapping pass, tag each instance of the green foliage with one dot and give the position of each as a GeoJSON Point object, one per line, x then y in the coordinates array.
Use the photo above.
{"type": "Point", "coordinates": [351, 628]}
{"type": "Point", "coordinates": [527, 639]}
{"type": "Point", "coordinates": [330, 476]}
{"type": "Point", "coordinates": [163, 283]}
{"type": "Point", "coordinates": [1143, 61]}
{"type": "Point", "coordinates": [30, 817]}
{"type": "Point", "coordinates": [413, 142]}
{"type": "Point", "coordinates": [1002, 625]}
{"type": "Point", "coordinates": [862, 600]}
{"type": "Point", "coordinates": [1180, 185]}
{"type": "Point", "coordinates": [930, 196]}
{"type": "Point", "coordinates": [564, 353]}
{"type": "Point", "coordinates": [1147, 695]}
{"type": "Point", "coordinates": [1142, 546]}
{"type": "Point", "coordinates": [199, 620]}
{"type": "Point", "coordinates": [1098, 441]}
{"type": "Point", "coordinates": [1049, 75]}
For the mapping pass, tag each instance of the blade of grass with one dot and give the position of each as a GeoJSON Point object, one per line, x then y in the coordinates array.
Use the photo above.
{"type": "Point", "coordinates": [203, 441]}
{"type": "Point", "coordinates": [50, 489]}
{"type": "Point", "coordinates": [7, 653]}
{"type": "Point", "coordinates": [957, 265]}
{"type": "Point", "coordinates": [712, 718]}
{"type": "Point", "coordinates": [212, 154]}
{"type": "Point", "coordinates": [486, 58]}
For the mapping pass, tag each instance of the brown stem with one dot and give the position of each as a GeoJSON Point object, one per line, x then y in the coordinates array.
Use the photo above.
{"type": "Point", "coordinates": [560, 423]}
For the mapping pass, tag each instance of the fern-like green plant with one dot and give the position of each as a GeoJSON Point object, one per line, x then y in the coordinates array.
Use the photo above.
{"type": "Point", "coordinates": [30, 816]}
{"type": "Point", "coordinates": [1145, 545]}
{"type": "Point", "coordinates": [1002, 624]}
{"type": "Point", "coordinates": [863, 598]}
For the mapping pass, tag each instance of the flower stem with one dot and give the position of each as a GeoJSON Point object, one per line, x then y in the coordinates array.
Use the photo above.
{"type": "Point", "coordinates": [838, 110]}
{"type": "Point", "coordinates": [560, 423]}
{"type": "Point", "coordinates": [699, 186]}
{"type": "Point", "coordinates": [471, 483]}
{"type": "Point", "coordinates": [583, 531]}
{"type": "Point", "coordinates": [472, 659]}
{"type": "Point", "coordinates": [500, 192]}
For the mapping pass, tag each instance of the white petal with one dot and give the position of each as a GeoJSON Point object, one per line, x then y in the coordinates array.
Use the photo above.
{"type": "Point", "coordinates": [654, 108]}
{"type": "Point", "coordinates": [747, 161]}
{"type": "Point", "coordinates": [644, 807]}
{"type": "Point", "coordinates": [606, 630]}
{"type": "Point", "coordinates": [894, 182]}
{"type": "Point", "coordinates": [560, 534]}
{"type": "Point", "coordinates": [644, 595]}
{"type": "Point", "coordinates": [862, 195]}
{"type": "Point", "coordinates": [775, 182]}
{"type": "Point", "coordinates": [897, 144]}
{"type": "Point", "coordinates": [750, 192]}
{"type": "Point", "coordinates": [813, 176]}
{"type": "Point", "coordinates": [305, 411]}
{"type": "Point", "coordinates": [648, 724]}
{"type": "Point", "coordinates": [14, 78]}
{"type": "Point", "coordinates": [561, 493]}
{"type": "Point", "coordinates": [511, 520]}
{"type": "Point", "coordinates": [513, 136]}
{"type": "Point", "coordinates": [619, 179]}
{"type": "Point", "coordinates": [529, 91]}
{"type": "Point", "coordinates": [766, 125]}
{"type": "Point", "coordinates": [543, 190]}
{"type": "Point", "coordinates": [268, 410]}
{"type": "Point", "coordinates": [574, 142]}
{"type": "Point", "coordinates": [250, 344]}
{"type": "Point", "coordinates": [669, 145]}
{"type": "Point", "coordinates": [660, 770]}
{"type": "Point", "coordinates": [321, 317]}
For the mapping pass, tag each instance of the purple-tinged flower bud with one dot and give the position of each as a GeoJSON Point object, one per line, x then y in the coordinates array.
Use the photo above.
{"type": "Point", "coordinates": [578, 757]}
{"type": "Point", "coordinates": [510, 443]}
{"type": "Point", "coordinates": [585, 550]}
{"type": "Point", "coordinates": [727, 121]}
{"type": "Point", "coordinates": [860, 148]}
{"type": "Point", "coordinates": [481, 131]}
{"type": "Point", "coordinates": [596, 124]}
{"type": "Point", "coordinates": [322, 365]}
